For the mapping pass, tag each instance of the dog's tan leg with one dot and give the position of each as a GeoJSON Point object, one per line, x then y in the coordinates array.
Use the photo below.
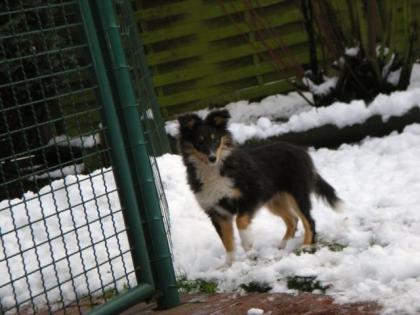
{"type": "Point", "coordinates": [224, 227]}
{"type": "Point", "coordinates": [243, 222]}
{"type": "Point", "coordinates": [279, 205]}
{"type": "Point", "coordinates": [309, 234]}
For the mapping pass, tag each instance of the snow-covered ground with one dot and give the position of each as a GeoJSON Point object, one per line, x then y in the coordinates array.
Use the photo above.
{"type": "Point", "coordinates": [378, 236]}
{"type": "Point", "coordinates": [82, 217]}
{"type": "Point", "coordinates": [81, 142]}
{"type": "Point", "coordinates": [379, 230]}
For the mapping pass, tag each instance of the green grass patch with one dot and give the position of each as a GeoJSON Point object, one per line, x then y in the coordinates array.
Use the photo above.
{"type": "Point", "coordinates": [254, 286]}
{"type": "Point", "coordinates": [305, 284]}
{"type": "Point", "coordinates": [194, 286]}
{"type": "Point", "coordinates": [332, 246]}
{"type": "Point", "coordinates": [110, 293]}
{"type": "Point", "coordinates": [310, 250]}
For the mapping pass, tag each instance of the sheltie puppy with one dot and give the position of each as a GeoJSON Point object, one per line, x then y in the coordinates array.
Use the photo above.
{"type": "Point", "coordinates": [230, 181]}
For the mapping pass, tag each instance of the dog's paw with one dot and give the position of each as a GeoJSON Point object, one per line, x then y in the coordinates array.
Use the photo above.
{"type": "Point", "coordinates": [282, 254]}
{"type": "Point", "coordinates": [247, 246]}
{"type": "Point", "coordinates": [223, 267]}
{"type": "Point", "coordinates": [230, 258]}
{"type": "Point", "coordinates": [246, 239]}
{"type": "Point", "coordinates": [282, 245]}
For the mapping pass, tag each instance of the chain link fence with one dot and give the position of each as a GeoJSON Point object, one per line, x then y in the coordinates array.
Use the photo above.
{"type": "Point", "coordinates": [65, 242]}
{"type": "Point", "coordinates": [145, 94]}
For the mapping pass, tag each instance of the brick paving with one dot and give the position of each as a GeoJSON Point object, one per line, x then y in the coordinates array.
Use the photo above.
{"type": "Point", "coordinates": [272, 304]}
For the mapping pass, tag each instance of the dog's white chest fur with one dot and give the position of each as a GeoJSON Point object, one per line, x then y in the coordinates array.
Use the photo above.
{"type": "Point", "coordinates": [215, 186]}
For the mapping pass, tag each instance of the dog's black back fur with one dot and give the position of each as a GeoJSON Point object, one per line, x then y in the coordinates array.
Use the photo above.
{"type": "Point", "coordinates": [263, 171]}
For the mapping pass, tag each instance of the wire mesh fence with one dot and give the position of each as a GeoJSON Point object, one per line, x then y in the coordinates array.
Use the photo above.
{"type": "Point", "coordinates": [64, 243]}
{"type": "Point", "coordinates": [145, 96]}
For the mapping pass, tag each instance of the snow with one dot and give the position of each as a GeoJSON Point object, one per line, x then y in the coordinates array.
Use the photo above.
{"type": "Point", "coordinates": [352, 51]}
{"type": "Point", "coordinates": [386, 69]}
{"type": "Point", "coordinates": [58, 173]}
{"type": "Point", "coordinates": [394, 77]}
{"type": "Point", "coordinates": [323, 88]}
{"type": "Point", "coordinates": [415, 77]}
{"type": "Point", "coordinates": [380, 260]}
{"type": "Point", "coordinates": [81, 142]}
{"type": "Point", "coordinates": [246, 121]}
{"type": "Point", "coordinates": [338, 114]}
{"type": "Point", "coordinates": [276, 107]}
{"type": "Point", "coordinates": [255, 311]}
{"type": "Point", "coordinates": [51, 217]}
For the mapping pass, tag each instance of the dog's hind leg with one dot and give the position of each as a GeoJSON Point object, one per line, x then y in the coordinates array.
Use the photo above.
{"type": "Point", "coordinates": [280, 205]}
{"type": "Point", "coordinates": [224, 227]}
{"type": "Point", "coordinates": [302, 207]}
{"type": "Point", "coordinates": [242, 222]}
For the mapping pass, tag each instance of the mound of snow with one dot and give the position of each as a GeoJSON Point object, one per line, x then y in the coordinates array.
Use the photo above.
{"type": "Point", "coordinates": [255, 311]}
{"type": "Point", "coordinates": [266, 119]}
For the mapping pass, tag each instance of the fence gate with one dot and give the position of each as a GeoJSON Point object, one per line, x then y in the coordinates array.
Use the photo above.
{"type": "Point", "coordinates": [83, 217]}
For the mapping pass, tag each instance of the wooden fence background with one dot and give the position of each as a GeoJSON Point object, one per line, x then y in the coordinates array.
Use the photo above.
{"type": "Point", "coordinates": [200, 58]}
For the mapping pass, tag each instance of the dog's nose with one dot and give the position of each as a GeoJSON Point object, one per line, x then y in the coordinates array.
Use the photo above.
{"type": "Point", "coordinates": [212, 159]}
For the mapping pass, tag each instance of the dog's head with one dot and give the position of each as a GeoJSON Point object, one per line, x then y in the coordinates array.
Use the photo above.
{"type": "Point", "coordinates": [205, 140]}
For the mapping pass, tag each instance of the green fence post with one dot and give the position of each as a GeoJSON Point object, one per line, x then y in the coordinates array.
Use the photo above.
{"type": "Point", "coordinates": [161, 260]}
{"type": "Point", "coordinates": [122, 172]}
{"type": "Point", "coordinates": [160, 139]}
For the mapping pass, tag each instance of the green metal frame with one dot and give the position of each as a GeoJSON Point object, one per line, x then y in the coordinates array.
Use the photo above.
{"type": "Point", "coordinates": [76, 129]}
{"type": "Point", "coordinates": [132, 218]}
{"type": "Point", "coordinates": [159, 251]}
{"type": "Point", "coordinates": [161, 260]}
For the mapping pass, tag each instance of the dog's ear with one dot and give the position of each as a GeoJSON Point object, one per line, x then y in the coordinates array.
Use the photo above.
{"type": "Point", "coordinates": [189, 122]}
{"type": "Point", "coordinates": [218, 118]}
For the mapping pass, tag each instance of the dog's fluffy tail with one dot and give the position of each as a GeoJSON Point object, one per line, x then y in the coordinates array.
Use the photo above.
{"type": "Point", "coordinates": [327, 192]}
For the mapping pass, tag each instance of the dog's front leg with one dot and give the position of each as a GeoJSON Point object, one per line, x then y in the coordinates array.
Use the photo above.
{"type": "Point", "coordinates": [224, 227]}
{"type": "Point", "coordinates": [242, 222]}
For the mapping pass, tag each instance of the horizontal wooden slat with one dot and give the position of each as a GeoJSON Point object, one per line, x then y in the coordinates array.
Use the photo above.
{"type": "Point", "coordinates": [209, 10]}
{"type": "Point", "coordinates": [218, 83]}
{"type": "Point", "coordinates": [224, 98]}
{"type": "Point", "coordinates": [164, 11]}
{"type": "Point", "coordinates": [200, 70]}
{"type": "Point", "coordinates": [196, 27]}
{"type": "Point", "coordinates": [253, 92]}
{"type": "Point", "coordinates": [199, 47]}
{"type": "Point", "coordinates": [244, 72]}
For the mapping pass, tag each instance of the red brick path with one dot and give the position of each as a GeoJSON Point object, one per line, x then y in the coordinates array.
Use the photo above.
{"type": "Point", "coordinates": [272, 304]}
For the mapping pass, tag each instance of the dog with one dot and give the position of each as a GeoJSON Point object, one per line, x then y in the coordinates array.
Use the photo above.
{"type": "Point", "coordinates": [230, 181]}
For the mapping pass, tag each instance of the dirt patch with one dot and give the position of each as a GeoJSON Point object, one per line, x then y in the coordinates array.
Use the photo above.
{"type": "Point", "coordinates": [273, 304]}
